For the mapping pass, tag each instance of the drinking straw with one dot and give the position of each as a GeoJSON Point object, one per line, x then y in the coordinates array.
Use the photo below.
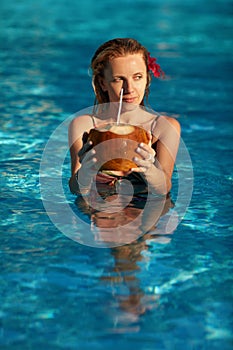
{"type": "Point", "coordinates": [120, 106]}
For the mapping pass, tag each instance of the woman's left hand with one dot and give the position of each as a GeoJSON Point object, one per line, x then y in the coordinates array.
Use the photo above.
{"type": "Point", "coordinates": [146, 159]}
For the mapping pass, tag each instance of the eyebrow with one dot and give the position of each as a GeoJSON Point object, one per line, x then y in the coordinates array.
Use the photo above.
{"type": "Point", "coordinates": [120, 75]}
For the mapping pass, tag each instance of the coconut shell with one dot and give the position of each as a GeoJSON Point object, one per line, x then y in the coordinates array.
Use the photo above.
{"type": "Point", "coordinates": [115, 145]}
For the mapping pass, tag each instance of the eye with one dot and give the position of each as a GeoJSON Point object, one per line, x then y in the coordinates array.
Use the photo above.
{"type": "Point", "coordinates": [117, 79]}
{"type": "Point", "coordinates": [138, 77]}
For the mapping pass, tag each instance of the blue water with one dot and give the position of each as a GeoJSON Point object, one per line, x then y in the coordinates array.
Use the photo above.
{"type": "Point", "coordinates": [170, 292]}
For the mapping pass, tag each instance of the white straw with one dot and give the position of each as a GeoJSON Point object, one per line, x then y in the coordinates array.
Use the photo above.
{"type": "Point", "coordinates": [120, 106]}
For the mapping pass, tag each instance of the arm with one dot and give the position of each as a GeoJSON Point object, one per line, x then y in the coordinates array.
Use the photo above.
{"type": "Point", "coordinates": [78, 148]}
{"type": "Point", "coordinates": [159, 174]}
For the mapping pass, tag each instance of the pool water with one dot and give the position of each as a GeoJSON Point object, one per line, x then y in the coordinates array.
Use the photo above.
{"type": "Point", "coordinates": [162, 292]}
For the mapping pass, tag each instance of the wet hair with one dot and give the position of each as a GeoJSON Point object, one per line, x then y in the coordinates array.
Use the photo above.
{"type": "Point", "coordinates": [108, 51]}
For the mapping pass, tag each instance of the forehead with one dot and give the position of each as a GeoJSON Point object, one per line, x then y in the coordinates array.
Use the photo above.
{"type": "Point", "coordinates": [129, 63]}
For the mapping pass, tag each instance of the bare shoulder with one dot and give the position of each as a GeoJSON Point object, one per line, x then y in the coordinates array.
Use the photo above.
{"type": "Point", "coordinates": [78, 126]}
{"type": "Point", "coordinates": [169, 121]}
{"type": "Point", "coordinates": [81, 123]}
{"type": "Point", "coordinates": [82, 120]}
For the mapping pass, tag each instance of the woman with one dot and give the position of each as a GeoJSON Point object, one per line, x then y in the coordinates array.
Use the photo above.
{"type": "Point", "coordinates": [125, 64]}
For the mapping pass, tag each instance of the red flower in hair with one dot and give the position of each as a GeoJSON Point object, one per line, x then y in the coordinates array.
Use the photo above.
{"type": "Point", "coordinates": [154, 67]}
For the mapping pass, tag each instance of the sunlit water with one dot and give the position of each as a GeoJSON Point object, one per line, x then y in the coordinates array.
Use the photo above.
{"type": "Point", "coordinates": [162, 292]}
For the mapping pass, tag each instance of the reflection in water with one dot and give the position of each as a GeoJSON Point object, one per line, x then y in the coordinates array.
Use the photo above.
{"type": "Point", "coordinates": [119, 218]}
{"type": "Point", "coordinates": [130, 300]}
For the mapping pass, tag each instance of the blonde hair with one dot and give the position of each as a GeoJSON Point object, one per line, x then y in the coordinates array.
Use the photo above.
{"type": "Point", "coordinates": [109, 50]}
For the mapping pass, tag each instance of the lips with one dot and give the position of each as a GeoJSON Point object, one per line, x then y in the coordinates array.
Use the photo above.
{"type": "Point", "coordinates": [129, 99]}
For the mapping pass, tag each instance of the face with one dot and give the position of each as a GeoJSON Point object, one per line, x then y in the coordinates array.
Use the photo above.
{"type": "Point", "coordinates": [127, 72]}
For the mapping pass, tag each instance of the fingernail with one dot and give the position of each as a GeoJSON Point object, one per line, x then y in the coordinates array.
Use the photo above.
{"type": "Point", "coordinates": [141, 144]}
{"type": "Point", "coordinates": [138, 150]}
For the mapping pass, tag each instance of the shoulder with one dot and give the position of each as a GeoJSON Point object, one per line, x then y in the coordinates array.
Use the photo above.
{"type": "Point", "coordinates": [166, 123]}
{"type": "Point", "coordinates": [78, 126]}
{"type": "Point", "coordinates": [81, 123]}
{"type": "Point", "coordinates": [163, 119]}
{"type": "Point", "coordinates": [166, 127]}
{"type": "Point", "coordinates": [85, 119]}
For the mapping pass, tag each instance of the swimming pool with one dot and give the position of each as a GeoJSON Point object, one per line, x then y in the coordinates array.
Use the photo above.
{"type": "Point", "coordinates": [172, 292]}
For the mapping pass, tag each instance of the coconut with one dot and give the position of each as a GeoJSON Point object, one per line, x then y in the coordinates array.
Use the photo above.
{"type": "Point", "coordinates": [115, 145]}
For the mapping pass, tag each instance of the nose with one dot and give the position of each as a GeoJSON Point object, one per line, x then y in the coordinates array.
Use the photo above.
{"type": "Point", "coordinates": [128, 86]}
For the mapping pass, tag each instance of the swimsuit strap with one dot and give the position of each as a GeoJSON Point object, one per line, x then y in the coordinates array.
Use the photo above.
{"type": "Point", "coordinates": [154, 123]}
{"type": "Point", "coordinates": [93, 120]}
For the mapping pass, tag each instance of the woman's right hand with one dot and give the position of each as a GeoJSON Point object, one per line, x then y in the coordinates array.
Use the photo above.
{"type": "Point", "coordinates": [87, 146]}
{"type": "Point", "coordinates": [88, 162]}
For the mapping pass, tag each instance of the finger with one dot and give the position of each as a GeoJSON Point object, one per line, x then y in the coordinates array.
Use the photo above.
{"type": "Point", "coordinates": [146, 147]}
{"type": "Point", "coordinates": [86, 147]}
{"type": "Point", "coordinates": [142, 163]}
{"type": "Point", "coordinates": [89, 158]}
{"type": "Point", "coordinates": [139, 169]}
{"type": "Point", "coordinates": [149, 137]}
{"type": "Point", "coordinates": [85, 152]}
{"type": "Point", "coordinates": [146, 153]}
